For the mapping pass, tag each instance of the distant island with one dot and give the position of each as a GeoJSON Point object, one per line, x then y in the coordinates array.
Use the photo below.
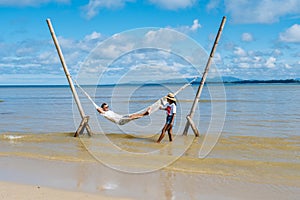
{"type": "Point", "coordinates": [230, 79]}
{"type": "Point", "coordinates": [266, 81]}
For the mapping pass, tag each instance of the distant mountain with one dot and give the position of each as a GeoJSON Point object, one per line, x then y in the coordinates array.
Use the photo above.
{"type": "Point", "coordinates": [229, 79]}
{"type": "Point", "coordinates": [223, 79]}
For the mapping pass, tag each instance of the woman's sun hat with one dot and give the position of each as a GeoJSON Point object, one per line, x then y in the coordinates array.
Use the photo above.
{"type": "Point", "coordinates": [171, 96]}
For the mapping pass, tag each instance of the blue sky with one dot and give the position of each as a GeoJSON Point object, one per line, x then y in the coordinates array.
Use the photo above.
{"type": "Point", "coordinates": [260, 40]}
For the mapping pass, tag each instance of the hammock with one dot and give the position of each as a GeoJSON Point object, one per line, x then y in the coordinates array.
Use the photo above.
{"type": "Point", "coordinates": [124, 119]}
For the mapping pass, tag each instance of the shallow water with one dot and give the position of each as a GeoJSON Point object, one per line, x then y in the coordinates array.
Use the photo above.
{"type": "Point", "coordinates": [270, 110]}
{"type": "Point", "coordinates": [259, 142]}
{"type": "Point", "coordinates": [256, 159]}
{"type": "Point", "coordinates": [267, 110]}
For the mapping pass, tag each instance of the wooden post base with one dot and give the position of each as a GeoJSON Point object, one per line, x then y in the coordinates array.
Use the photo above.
{"type": "Point", "coordinates": [83, 125]}
{"type": "Point", "coordinates": [194, 128]}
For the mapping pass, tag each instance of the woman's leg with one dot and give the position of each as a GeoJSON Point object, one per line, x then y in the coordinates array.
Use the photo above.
{"type": "Point", "coordinates": [163, 131]}
{"type": "Point", "coordinates": [170, 132]}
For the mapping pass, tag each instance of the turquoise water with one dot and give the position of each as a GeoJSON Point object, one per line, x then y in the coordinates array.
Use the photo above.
{"type": "Point", "coordinates": [251, 109]}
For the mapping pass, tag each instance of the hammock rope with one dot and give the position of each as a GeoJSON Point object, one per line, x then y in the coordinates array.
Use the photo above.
{"type": "Point", "coordinates": [123, 119]}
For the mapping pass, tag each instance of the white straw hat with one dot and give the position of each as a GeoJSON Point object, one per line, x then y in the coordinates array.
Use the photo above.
{"type": "Point", "coordinates": [171, 96]}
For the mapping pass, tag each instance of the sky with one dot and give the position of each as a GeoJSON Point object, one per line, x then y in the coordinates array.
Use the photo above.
{"type": "Point", "coordinates": [260, 39]}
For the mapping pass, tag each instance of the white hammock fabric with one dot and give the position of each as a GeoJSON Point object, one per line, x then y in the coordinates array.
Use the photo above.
{"type": "Point", "coordinates": [124, 119]}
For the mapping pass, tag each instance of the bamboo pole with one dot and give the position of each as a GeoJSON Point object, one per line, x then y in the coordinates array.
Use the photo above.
{"type": "Point", "coordinates": [72, 87]}
{"type": "Point", "coordinates": [199, 91]}
{"type": "Point", "coordinates": [194, 128]}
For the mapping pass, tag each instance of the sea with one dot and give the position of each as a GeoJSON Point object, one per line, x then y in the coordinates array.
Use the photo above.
{"type": "Point", "coordinates": [247, 131]}
{"type": "Point", "coordinates": [261, 110]}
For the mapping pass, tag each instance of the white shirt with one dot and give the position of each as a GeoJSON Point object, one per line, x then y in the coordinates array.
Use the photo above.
{"type": "Point", "coordinates": [171, 109]}
{"type": "Point", "coordinates": [112, 116]}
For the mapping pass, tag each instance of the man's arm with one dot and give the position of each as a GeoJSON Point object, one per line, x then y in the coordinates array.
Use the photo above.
{"type": "Point", "coordinates": [100, 110]}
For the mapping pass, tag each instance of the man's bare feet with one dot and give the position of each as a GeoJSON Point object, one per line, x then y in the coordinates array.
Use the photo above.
{"type": "Point", "coordinates": [148, 111]}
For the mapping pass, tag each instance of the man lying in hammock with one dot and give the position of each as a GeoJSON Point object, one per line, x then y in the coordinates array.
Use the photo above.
{"type": "Point", "coordinates": [120, 119]}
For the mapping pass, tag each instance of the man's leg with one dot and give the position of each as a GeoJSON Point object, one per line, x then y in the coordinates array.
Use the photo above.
{"type": "Point", "coordinates": [139, 115]}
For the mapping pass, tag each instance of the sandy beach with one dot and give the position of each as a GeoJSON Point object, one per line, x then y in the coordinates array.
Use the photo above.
{"type": "Point", "coordinates": [16, 191]}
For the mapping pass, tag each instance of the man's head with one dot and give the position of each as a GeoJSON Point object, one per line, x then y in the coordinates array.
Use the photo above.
{"type": "Point", "coordinates": [105, 106]}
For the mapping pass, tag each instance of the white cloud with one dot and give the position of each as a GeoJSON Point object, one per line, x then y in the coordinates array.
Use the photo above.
{"type": "Point", "coordinates": [261, 11]}
{"type": "Point", "coordinates": [244, 65]}
{"type": "Point", "coordinates": [212, 4]}
{"type": "Point", "coordinates": [277, 52]}
{"type": "Point", "coordinates": [173, 4]}
{"type": "Point", "coordinates": [260, 64]}
{"type": "Point", "coordinates": [193, 28]}
{"type": "Point", "coordinates": [253, 59]}
{"type": "Point", "coordinates": [240, 52]}
{"type": "Point", "coordinates": [247, 37]}
{"type": "Point", "coordinates": [21, 3]}
{"type": "Point", "coordinates": [94, 6]}
{"type": "Point", "coordinates": [292, 34]}
{"type": "Point", "coordinates": [162, 38]}
{"type": "Point", "coordinates": [66, 43]}
{"type": "Point", "coordinates": [38, 56]}
{"type": "Point", "coordinates": [195, 25]}
{"type": "Point", "coordinates": [257, 59]}
{"type": "Point", "coordinates": [114, 50]}
{"type": "Point", "coordinates": [89, 42]}
{"type": "Point", "coordinates": [92, 36]}
{"type": "Point", "coordinates": [270, 63]}
{"type": "Point", "coordinates": [25, 51]}
{"type": "Point", "coordinates": [227, 70]}
{"type": "Point", "coordinates": [287, 66]}
{"type": "Point", "coordinates": [217, 58]}
{"type": "Point", "coordinates": [48, 58]}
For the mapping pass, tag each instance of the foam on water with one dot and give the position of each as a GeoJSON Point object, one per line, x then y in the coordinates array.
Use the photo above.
{"type": "Point", "coordinates": [12, 137]}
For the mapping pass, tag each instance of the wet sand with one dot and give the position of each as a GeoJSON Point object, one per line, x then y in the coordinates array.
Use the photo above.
{"type": "Point", "coordinates": [234, 169]}
{"type": "Point", "coordinates": [93, 181]}
{"type": "Point", "coordinates": [14, 191]}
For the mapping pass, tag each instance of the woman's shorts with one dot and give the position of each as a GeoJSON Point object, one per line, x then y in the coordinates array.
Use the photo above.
{"type": "Point", "coordinates": [169, 119]}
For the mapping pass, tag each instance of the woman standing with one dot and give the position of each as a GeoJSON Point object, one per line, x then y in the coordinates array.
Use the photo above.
{"type": "Point", "coordinates": [170, 108]}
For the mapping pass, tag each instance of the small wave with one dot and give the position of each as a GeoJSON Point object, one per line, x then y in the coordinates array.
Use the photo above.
{"type": "Point", "coordinates": [6, 113]}
{"type": "Point", "coordinates": [108, 186]}
{"type": "Point", "coordinates": [13, 137]}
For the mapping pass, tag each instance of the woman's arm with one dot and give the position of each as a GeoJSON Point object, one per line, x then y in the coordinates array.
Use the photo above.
{"type": "Point", "coordinates": [173, 117]}
{"type": "Point", "coordinates": [162, 108]}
